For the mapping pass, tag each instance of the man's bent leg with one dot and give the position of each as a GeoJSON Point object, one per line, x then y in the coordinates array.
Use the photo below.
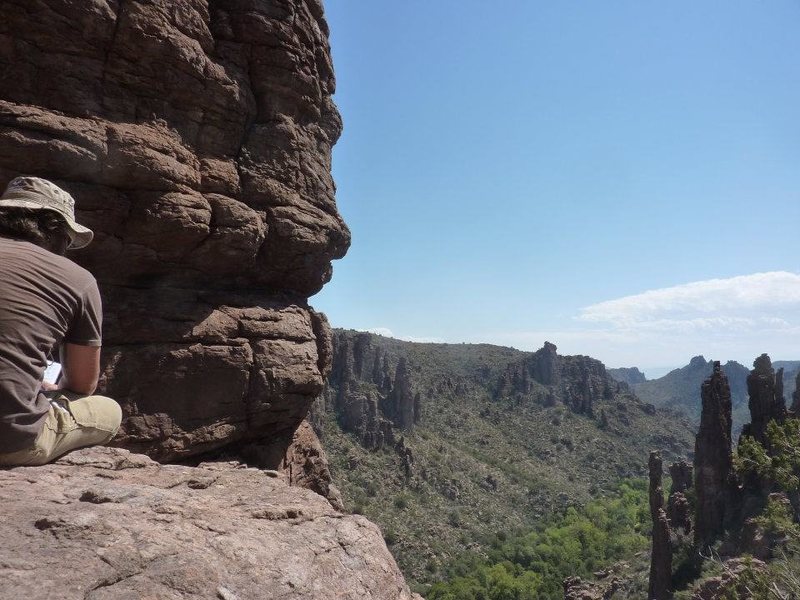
{"type": "Point", "coordinates": [83, 421]}
{"type": "Point", "coordinates": [37, 453]}
{"type": "Point", "coordinates": [73, 422]}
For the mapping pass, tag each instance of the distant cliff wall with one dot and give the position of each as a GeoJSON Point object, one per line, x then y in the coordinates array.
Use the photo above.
{"type": "Point", "coordinates": [196, 138]}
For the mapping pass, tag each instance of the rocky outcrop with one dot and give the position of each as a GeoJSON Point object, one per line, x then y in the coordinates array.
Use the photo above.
{"type": "Point", "coordinates": [796, 396]}
{"type": "Point", "coordinates": [541, 367]}
{"type": "Point", "coordinates": [371, 398]}
{"type": "Point", "coordinates": [195, 136]}
{"type": "Point", "coordinates": [765, 388]}
{"type": "Point", "coordinates": [629, 375]}
{"type": "Point", "coordinates": [402, 405]}
{"type": "Point", "coordinates": [660, 582]}
{"type": "Point", "coordinates": [300, 460]}
{"type": "Point", "coordinates": [735, 582]}
{"type": "Point", "coordinates": [713, 458]}
{"type": "Point", "coordinates": [577, 589]}
{"type": "Point", "coordinates": [678, 507]}
{"type": "Point", "coordinates": [578, 381]}
{"type": "Point", "coordinates": [103, 523]}
{"type": "Point", "coordinates": [679, 389]}
{"type": "Point", "coordinates": [682, 475]}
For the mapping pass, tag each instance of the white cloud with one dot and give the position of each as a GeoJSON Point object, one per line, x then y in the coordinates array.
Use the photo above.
{"type": "Point", "coordinates": [386, 332]}
{"type": "Point", "coordinates": [736, 318]}
{"type": "Point", "coordinates": [725, 319]}
{"type": "Point", "coordinates": [744, 300]}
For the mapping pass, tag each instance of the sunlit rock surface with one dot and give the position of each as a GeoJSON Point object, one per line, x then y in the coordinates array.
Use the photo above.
{"type": "Point", "coordinates": [103, 523]}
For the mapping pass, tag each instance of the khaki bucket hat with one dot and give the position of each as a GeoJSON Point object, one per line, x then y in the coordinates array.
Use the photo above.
{"type": "Point", "coordinates": [40, 194]}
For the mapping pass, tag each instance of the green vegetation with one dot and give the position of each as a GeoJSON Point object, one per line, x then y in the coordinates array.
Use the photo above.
{"type": "Point", "coordinates": [484, 462]}
{"type": "Point", "coordinates": [777, 520]}
{"type": "Point", "coordinates": [534, 566]}
{"type": "Point", "coordinates": [781, 463]}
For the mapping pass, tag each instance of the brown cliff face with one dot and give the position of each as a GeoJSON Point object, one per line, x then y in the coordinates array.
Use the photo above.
{"type": "Point", "coordinates": [765, 388]}
{"type": "Point", "coordinates": [713, 459]}
{"type": "Point", "coordinates": [195, 136]}
{"type": "Point", "coordinates": [796, 396]}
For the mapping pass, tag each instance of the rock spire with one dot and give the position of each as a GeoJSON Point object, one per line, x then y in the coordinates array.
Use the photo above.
{"type": "Point", "coordinates": [765, 388]}
{"type": "Point", "coordinates": [713, 457]}
{"type": "Point", "coordinates": [661, 557]}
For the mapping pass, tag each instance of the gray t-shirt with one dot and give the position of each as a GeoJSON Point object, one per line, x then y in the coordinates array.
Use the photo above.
{"type": "Point", "coordinates": [45, 300]}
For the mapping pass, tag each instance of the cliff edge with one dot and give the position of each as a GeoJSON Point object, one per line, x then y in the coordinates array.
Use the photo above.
{"type": "Point", "coordinates": [105, 523]}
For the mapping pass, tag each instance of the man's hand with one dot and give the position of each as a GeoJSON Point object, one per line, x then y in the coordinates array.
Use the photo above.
{"type": "Point", "coordinates": [50, 387]}
{"type": "Point", "coordinates": [81, 368]}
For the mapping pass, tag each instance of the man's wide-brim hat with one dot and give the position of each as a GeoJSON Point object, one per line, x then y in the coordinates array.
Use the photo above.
{"type": "Point", "coordinates": [40, 194]}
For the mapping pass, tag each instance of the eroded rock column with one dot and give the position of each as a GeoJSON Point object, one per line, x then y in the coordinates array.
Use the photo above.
{"type": "Point", "coordinates": [765, 388]}
{"type": "Point", "coordinates": [713, 459]}
{"type": "Point", "coordinates": [660, 584]}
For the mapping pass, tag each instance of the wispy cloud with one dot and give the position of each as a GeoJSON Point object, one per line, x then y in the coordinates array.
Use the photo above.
{"type": "Point", "coordinates": [386, 332]}
{"type": "Point", "coordinates": [735, 318]}
{"type": "Point", "coordinates": [747, 300]}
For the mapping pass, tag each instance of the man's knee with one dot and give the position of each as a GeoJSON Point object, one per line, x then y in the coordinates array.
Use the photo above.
{"type": "Point", "coordinates": [98, 412]}
{"type": "Point", "coordinates": [109, 414]}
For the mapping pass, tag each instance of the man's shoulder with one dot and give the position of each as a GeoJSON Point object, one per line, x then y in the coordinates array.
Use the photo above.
{"type": "Point", "coordinates": [59, 265]}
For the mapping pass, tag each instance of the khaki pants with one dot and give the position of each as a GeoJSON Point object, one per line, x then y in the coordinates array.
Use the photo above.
{"type": "Point", "coordinates": [73, 422]}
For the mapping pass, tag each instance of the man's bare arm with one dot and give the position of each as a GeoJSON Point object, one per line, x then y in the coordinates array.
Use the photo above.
{"type": "Point", "coordinates": [81, 366]}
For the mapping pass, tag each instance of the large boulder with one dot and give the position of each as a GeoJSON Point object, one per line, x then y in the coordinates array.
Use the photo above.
{"type": "Point", "coordinates": [103, 523]}
{"type": "Point", "coordinates": [196, 138]}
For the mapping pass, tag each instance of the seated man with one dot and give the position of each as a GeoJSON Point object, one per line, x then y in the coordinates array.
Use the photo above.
{"type": "Point", "coordinates": [47, 304]}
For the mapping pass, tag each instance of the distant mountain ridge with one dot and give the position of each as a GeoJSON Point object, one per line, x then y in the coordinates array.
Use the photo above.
{"type": "Point", "coordinates": [444, 445]}
{"type": "Point", "coordinates": [629, 375]}
{"type": "Point", "coordinates": [680, 388]}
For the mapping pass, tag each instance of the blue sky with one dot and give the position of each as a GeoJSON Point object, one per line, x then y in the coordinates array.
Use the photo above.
{"type": "Point", "coordinates": [520, 171]}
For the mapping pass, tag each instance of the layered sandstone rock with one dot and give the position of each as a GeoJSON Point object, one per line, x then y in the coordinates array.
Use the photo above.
{"type": "Point", "coordinates": [103, 523]}
{"type": "Point", "coordinates": [196, 138]}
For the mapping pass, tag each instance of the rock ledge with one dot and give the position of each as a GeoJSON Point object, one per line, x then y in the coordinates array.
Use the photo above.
{"type": "Point", "coordinates": [105, 523]}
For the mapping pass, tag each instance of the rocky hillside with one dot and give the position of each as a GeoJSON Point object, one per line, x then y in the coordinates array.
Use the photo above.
{"type": "Point", "coordinates": [680, 389]}
{"type": "Point", "coordinates": [445, 445]}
